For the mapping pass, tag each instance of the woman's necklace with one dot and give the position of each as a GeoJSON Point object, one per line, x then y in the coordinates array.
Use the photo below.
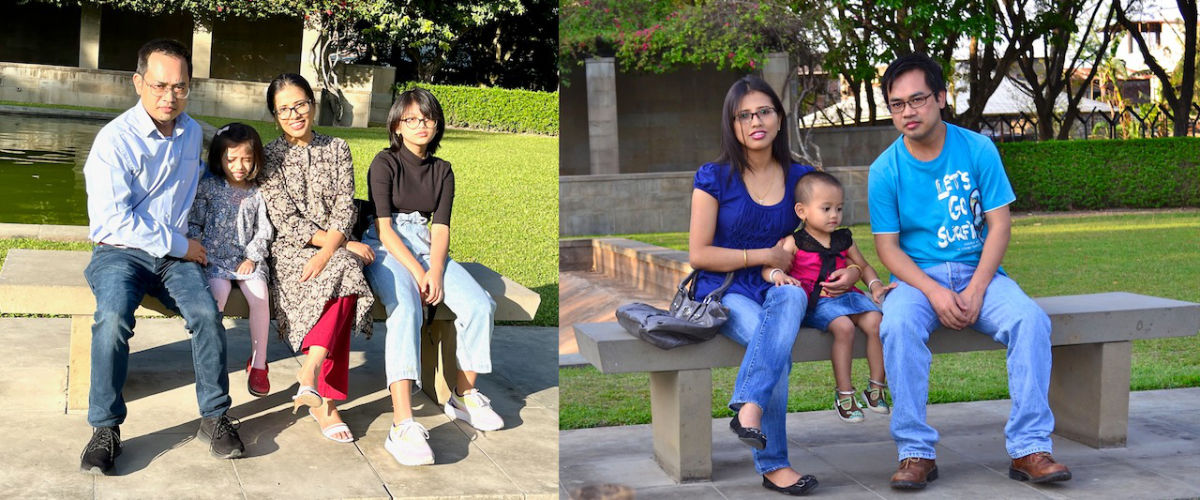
{"type": "Point", "coordinates": [763, 199]}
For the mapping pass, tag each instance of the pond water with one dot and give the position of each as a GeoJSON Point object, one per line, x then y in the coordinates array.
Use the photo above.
{"type": "Point", "coordinates": [41, 169]}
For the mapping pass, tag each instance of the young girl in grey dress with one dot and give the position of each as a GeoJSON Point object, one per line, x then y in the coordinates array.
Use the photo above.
{"type": "Point", "coordinates": [230, 219]}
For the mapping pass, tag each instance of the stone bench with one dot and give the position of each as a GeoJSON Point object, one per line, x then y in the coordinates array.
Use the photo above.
{"type": "Point", "coordinates": [52, 282]}
{"type": "Point", "coordinates": [1089, 382]}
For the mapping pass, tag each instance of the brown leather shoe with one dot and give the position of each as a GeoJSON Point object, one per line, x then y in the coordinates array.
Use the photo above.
{"type": "Point", "coordinates": [914, 473]}
{"type": "Point", "coordinates": [1038, 467]}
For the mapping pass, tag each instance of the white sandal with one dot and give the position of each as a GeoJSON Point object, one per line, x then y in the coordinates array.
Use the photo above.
{"type": "Point", "coordinates": [333, 429]}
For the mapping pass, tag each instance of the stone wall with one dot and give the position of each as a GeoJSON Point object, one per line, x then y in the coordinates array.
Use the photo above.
{"type": "Point", "coordinates": [210, 96]}
{"type": "Point", "coordinates": [665, 123]}
{"type": "Point", "coordinates": [853, 145]}
{"type": "Point", "coordinates": [660, 202]}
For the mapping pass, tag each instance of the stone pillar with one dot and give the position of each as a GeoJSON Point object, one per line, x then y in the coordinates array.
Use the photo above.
{"type": "Point", "coordinates": [89, 36]}
{"type": "Point", "coordinates": [202, 48]}
{"type": "Point", "coordinates": [604, 154]}
{"type": "Point", "coordinates": [775, 72]}
{"type": "Point", "coordinates": [307, 67]}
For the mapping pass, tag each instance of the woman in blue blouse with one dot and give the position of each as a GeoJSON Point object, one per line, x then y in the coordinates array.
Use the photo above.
{"type": "Point", "coordinates": [742, 208]}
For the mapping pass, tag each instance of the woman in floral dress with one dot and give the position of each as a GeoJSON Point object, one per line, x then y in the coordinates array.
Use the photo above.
{"type": "Point", "coordinates": [317, 285]}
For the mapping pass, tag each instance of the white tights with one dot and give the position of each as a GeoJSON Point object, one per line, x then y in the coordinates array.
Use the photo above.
{"type": "Point", "coordinates": [260, 314]}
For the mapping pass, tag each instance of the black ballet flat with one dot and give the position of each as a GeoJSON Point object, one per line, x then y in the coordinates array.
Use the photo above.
{"type": "Point", "coordinates": [753, 437]}
{"type": "Point", "coordinates": [806, 484]}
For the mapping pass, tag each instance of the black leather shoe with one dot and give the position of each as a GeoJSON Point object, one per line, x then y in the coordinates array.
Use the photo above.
{"type": "Point", "coordinates": [101, 451]}
{"type": "Point", "coordinates": [753, 437]}
{"type": "Point", "coordinates": [806, 484]}
{"type": "Point", "coordinates": [221, 436]}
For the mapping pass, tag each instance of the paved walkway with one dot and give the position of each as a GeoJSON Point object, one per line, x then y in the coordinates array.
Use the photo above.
{"type": "Point", "coordinates": [856, 460]}
{"type": "Point", "coordinates": [287, 456]}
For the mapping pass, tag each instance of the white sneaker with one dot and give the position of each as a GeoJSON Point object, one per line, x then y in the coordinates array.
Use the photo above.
{"type": "Point", "coordinates": [406, 443]}
{"type": "Point", "coordinates": [475, 409]}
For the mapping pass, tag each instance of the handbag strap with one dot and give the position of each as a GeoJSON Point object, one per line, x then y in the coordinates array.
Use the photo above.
{"type": "Point", "coordinates": [688, 286]}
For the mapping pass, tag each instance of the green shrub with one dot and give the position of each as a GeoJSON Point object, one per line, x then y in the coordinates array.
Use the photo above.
{"type": "Point", "coordinates": [500, 110]}
{"type": "Point", "coordinates": [1100, 174]}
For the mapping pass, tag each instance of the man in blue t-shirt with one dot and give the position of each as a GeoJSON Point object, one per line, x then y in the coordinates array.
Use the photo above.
{"type": "Point", "coordinates": [939, 212]}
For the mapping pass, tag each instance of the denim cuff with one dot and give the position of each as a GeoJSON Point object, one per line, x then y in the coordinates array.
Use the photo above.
{"type": "Point", "coordinates": [1031, 450]}
{"type": "Point", "coordinates": [927, 456]}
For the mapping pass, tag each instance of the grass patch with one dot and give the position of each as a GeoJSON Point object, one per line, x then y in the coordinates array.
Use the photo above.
{"type": "Point", "coordinates": [506, 200]}
{"type": "Point", "coordinates": [1147, 253]}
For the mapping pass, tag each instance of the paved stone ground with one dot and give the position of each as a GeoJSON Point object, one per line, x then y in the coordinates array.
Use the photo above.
{"type": "Point", "coordinates": [856, 460]}
{"type": "Point", "coordinates": [287, 456]}
{"type": "Point", "coordinates": [587, 297]}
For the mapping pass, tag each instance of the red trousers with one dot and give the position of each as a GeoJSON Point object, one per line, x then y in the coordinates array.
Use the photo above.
{"type": "Point", "coordinates": [332, 332]}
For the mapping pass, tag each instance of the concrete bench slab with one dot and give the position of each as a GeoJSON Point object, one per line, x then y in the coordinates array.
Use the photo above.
{"type": "Point", "coordinates": [1089, 386]}
{"type": "Point", "coordinates": [52, 282]}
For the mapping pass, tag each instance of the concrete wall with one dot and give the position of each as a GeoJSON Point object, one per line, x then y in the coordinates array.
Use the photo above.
{"type": "Point", "coordinates": [853, 145]}
{"type": "Point", "coordinates": [210, 96]}
{"type": "Point", "coordinates": [26, 27]}
{"type": "Point", "coordinates": [666, 123]}
{"type": "Point", "coordinates": [660, 202]}
{"type": "Point", "coordinates": [256, 50]}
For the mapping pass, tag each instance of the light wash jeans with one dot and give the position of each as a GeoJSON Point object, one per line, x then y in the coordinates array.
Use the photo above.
{"type": "Point", "coordinates": [473, 307]}
{"type": "Point", "coordinates": [1008, 316]}
{"type": "Point", "coordinates": [768, 332]}
{"type": "Point", "coordinates": [120, 277]}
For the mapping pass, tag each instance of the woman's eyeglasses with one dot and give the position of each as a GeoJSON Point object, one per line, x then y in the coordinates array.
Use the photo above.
{"type": "Point", "coordinates": [762, 113]}
{"type": "Point", "coordinates": [301, 109]}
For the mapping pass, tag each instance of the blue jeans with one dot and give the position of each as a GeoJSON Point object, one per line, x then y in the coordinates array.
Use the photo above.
{"type": "Point", "coordinates": [473, 307]}
{"type": "Point", "coordinates": [1010, 317]}
{"type": "Point", "coordinates": [768, 331]}
{"type": "Point", "coordinates": [120, 278]}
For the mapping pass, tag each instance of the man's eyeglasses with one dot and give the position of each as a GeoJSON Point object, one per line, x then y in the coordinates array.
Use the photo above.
{"type": "Point", "coordinates": [300, 109]}
{"type": "Point", "coordinates": [415, 123]}
{"type": "Point", "coordinates": [914, 102]}
{"type": "Point", "coordinates": [181, 90]}
{"type": "Point", "coordinates": [762, 113]}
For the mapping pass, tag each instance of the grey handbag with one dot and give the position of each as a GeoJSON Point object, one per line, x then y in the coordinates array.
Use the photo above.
{"type": "Point", "coordinates": [688, 321]}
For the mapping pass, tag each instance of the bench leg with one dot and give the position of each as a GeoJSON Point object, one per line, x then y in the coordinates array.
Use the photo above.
{"type": "Point", "coordinates": [439, 367]}
{"type": "Point", "coordinates": [1089, 393]}
{"type": "Point", "coordinates": [79, 363]}
{"type": "Point", "coordinates": [681, 413]}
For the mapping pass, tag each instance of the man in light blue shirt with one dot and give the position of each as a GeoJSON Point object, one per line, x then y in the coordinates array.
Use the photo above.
{"type": "Point", "coordinates": [939, 201]}
{"type": "Point", "coordinates": [141, 176]}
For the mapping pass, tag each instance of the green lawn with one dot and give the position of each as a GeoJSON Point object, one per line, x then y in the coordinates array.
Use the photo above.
{"type": "Point", "coordinates": [1148, 253]}
{"type": "Point", "coordinates": [505, 204]}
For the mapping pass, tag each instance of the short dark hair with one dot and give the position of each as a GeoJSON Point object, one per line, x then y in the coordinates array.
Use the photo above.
{"type": "Point", "coordinates": [804, 186]}
{"type": "Point", "coordinates": [732, 151]}
{"type": "Point", "coordinates": [430, 108]}
{"type": "Point", "coordinates": [283, 80]}
{"type": "Point", "coordinates": [166, 46]}
{"type": "Point", "coordinates": [229, 136]}
{"type": "Point", "coordinates": [909, 62]}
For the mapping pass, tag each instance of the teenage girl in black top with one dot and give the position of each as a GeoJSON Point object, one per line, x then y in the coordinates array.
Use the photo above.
{"type": "Point", "coordinates": [409, 188]}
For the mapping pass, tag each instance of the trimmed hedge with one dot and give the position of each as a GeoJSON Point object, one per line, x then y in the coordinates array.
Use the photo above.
{"type": "Point", "coordinates": [1100, 174]}
{"type": "Point", "coordinates": [502, 110]}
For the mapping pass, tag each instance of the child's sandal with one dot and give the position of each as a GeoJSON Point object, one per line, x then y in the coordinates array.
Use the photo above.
{"type": "Point", "coordinates": [875, 397]}
{"type": "Point", "coordinates": [846, 406]}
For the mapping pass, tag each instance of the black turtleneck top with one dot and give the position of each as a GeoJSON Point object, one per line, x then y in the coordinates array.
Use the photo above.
{"type": "Point", "coordinates": [400, 181]}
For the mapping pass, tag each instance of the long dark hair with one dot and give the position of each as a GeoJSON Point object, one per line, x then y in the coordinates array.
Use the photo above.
{"type": "Point", "coordinates": [229, 136]}
{"type": "Point", "coordinates": [429, 106]}
{"type": "Point", "coordinates": [732, 151]}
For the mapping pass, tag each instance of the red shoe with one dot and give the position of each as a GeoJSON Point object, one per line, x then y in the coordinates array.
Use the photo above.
{"type": "Point", "coordinates": [258, 384]}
